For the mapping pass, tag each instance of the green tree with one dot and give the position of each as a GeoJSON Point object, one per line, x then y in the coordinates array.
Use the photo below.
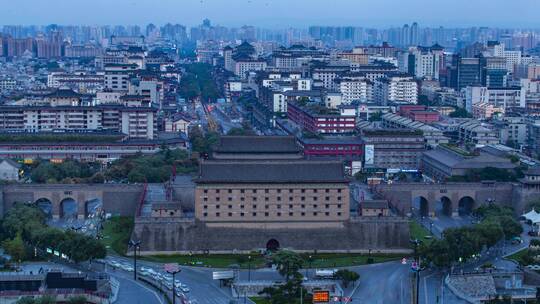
{"type": "Point", "coordinates": [26, 300]}
{"type": "Point", "coordinates": [77, 300]}
{"type": "Point", "coordinates": [15, 248]}
{"type": "Point", "coordinates": [346, 276]}
{"type": "Point", "coordinates": [510, 226]}
{"type": "Point", "coordinates": [288, 263]}
{"type": "Point", "coordinates": [46, 300]}
{"type": "Point", "coordinates": [491, 231]}
{"type": "Point", "coordinates": [376, 117]}
{"type": "Point", "coordinates": [23, 219]}
{"type": "Point", "coordinates": [460, 113]}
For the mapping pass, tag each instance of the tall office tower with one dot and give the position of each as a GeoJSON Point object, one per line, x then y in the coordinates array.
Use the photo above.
{"type": "Point", "coordinates": [465, 72]}
{"type": "Point", "coordinates": [405, 35]}
{"type": "Point", "coordinates": [414, 34]}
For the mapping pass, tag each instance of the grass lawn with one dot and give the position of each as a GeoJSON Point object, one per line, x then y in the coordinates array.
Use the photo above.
{"type": "Point", "coordinates": [257, 300]}
{"type": "Point", "coordinates": [212, 260]}
{"type": "Point", "coordinates": [116, 233]}
{"type": "Point", "coordinates": [418, 231]}
{"type": "Point", "coordinates": [258, 261]}
{"type": "Point", "coordinates": [518, 255]}
{"type": "Point", "coordinates": [348, 259]}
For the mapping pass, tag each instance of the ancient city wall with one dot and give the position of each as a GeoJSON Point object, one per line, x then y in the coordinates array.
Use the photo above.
{"type": "Point", "coordinates": [184, 236]}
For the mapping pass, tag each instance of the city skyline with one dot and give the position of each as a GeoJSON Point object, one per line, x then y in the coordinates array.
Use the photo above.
{"type": "Point", "coordinates": [273, 13]}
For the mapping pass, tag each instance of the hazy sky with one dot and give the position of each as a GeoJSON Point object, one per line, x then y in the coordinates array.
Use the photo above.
{"type": "Point", "coordinates": [275, 13]}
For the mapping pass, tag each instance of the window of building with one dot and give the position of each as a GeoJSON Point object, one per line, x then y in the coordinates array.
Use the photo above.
{"type": "Point", "coordinates": [206, 199]}
{"type": "Point", "coordinates": [303, 214]}
{"type": "Point", "coordinates": [279, 206]}
{"type": "Point", "coordinates": [327, 213]}
{"type": "Point", "coordinates": [315, 206]}
{"type": "Point", "coordinates": [314, 190]}
{"type": "Point", "coordinates": [339, 206]}
{"type": "Point", "coordinates": [254, 213]}
{"type": "Point", "coordinates": [327, 190]}
{"type": "Point", "coordinates": [241, 213]}
{"type": "Point", "coordinates": [242, 191]}
{"type": "Point", "coordinates": [303, 206]}
{"type": "Point", "coordinates": [217, 214]}
{"type": "Point", "coordinates": [338, 190]}
{"type": "Point", "coordinates": [314, 198]}
{"type": "Point", "coordinates": [229, 199]}
{"type": "Point", "coordinates": [303, 191]}
{"type": "Point", "coordinates": [217, 199]}
{"type": "Point", "coordinates": [205, 214]}
{"type": "Point", "coordinates": [266, 206]}
{"type": "Point", "coordinates": [315, 213]}
{"type": "Point", "coordinates": [242, 199]}
{"type": "Point", "coordinates": [230, 206]}
{"type": "Point", "coordinates": [290, 190]}
{"type": "Point", "coordinates": [279, 198]}
{"type": "Point", "coordinates": [205, 206]}
{"type": "Point", "coordinates": [339, 198]}
{"type": "Point", "coordinates": [303, 198]}
{"type": "Point", "coordinates": [254, 198]}
{"type": "Point", "coordinates": [266, 199]}
{"type": "Point", "coordinates": [327, 198]}
{"type": "Point", "coordinates": [230, 213]}
{"type": "Point", "coordinates": [230, 191]}
{"type": "Point", "coordinates": [266, 191]}
{"type": "Point", "coordinates": [339, 213]}
{"type": "Point", "coordinates": [327, 206]}
{"type": "Point", "coordinates": [217, 190]}
{"type": "Point", "coordinates": [266, 214]}
{"type": "Point", "coordinates": [217, 206]}
{"type": "Point", "coordinates": [279, 214]}
{"type": "Point", "coordinates": [278, 190]}
{"type": "Point", "coordinates": [290, 206]}
{"type": "Point", "coordinates": [205, 190]}
{"type": "Point", "coordinates": [254, 191]}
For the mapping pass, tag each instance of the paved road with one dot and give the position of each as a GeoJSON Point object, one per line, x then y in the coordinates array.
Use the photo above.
{"type": "Point", "coordinates": [203, 290]}
{"type": "Point", "coordinates": [383, 283]}
{"type": "Point", "coordinates": [132, 292]}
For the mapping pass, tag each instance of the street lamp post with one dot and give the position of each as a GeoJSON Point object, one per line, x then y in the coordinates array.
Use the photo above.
{"type": "Point", "coordinates": [136, 245]}
{"type": "Point", "coordinates": [249, 268]}
{"type": "Point", "coordinates": [416, 242]}
{"type": "Point", "coordinates": [173, 269]}
{"type": "Point", "coordinates": [310, 261]}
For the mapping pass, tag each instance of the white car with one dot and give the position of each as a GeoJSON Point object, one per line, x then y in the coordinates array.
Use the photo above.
{"type": "Point", "coordinates": [144, 273]}
{"type": "Point", "coordinates": [127, 267]}
{"type": "Point", "coordinates": [168, 285]}
{"type": "Point", "coordinates": [184, 288]}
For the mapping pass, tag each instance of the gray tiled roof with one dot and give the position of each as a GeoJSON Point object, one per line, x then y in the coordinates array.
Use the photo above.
{"type": "Point", "coordinates": [300, 171]}
{"type": "Point", "coordinates": [258, 144]}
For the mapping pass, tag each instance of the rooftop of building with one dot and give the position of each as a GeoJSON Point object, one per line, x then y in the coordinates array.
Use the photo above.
{"type": "Point", "coordinates": [268, 172]}
{"type": "Point", "coordinates": [461, 160]}
{"type": "Point", "coordinates": [257, 144]}
{"type": "Point", "coordinates": [391, 132]}
{"type": "Point", "coordinates": [374, 204]}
